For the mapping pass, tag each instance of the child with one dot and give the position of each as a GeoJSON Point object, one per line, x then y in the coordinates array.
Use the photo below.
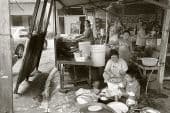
{"type": "Point", "coordinates": [96, 85]}
{"type": "Point", "coordinates": [132, 89]}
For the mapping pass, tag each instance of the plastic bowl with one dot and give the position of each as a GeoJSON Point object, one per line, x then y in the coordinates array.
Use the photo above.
{"type": "Point", "coordinates": [79, 58]}
{"type": "Point", "coordinates": [149, 61]}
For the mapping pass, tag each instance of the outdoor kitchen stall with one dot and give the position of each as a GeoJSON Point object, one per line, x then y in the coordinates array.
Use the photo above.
{"type": "Point", "coordinates": [108, 56]}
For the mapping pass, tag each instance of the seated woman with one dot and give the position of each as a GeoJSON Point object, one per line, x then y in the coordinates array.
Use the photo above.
{"type": "Point", "coordinates": [114, 73]}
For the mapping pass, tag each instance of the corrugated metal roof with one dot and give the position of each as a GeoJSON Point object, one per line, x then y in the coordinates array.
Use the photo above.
{"type": "Point", "coordinates": [74, 2]}
{"type": "Point", "coordinates": [23, 1]}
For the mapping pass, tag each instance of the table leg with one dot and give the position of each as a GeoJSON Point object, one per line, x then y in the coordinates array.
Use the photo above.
{"type": "Point", "coordinates": [140, 72]}
{"type": "Point", "coordinates": [144, 73]}
{"type": "Point", "coordinates": [62, 76]}
{"type": "Point", "coordinates": [58, 67]}
{"type": "Point", "coordinates": [75, 75]}
{"type": "Point", "coordinates": [90, 76]}
{"type": "Point", "coordinates": [148, 79]}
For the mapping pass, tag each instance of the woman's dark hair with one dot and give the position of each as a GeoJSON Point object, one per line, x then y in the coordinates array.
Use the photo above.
{"type": "Point", "coordinates": [126, 31]}
{"type": "Point", "coordinates": [114, 52]}
{"type": "Point", "coordinates": [88, 22]}
{"type": "Point", "coordinates": [131, 73]}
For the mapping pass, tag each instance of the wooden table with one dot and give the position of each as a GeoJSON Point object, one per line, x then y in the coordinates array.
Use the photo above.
{"type": "Point", "coordinates": [62, 63]}
{"type": "Point", "coordinates": [143, 71]}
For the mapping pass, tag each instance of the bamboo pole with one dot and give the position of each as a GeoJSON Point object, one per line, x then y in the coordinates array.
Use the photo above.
{"type": "Point", "coordinates": [55, 32]}
{"type": "Point", "coordinates": [163, 5]}
{"type": "Point", "coordinates": [42, 16]}
{"type": "Point", "coordinates": [49, 14]}
{"type": "Point", "coordinates": [106, 28]}
{"type": "Point", "coordinates": [164, 44]}
{"type": "Point", "coordinates": [37, 4]}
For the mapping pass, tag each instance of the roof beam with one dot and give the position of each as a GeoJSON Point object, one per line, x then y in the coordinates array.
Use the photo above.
{"type": "Point", "coordinates": [158, 4]}
{"type": "Point", "coordinates": [86, 3]}
{"type": "Point", "coordinates": [61, 3]}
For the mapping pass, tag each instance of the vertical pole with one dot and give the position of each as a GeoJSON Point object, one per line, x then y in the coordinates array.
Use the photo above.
{"type": "Point", "coordinates": [106, 27]}
{"type": "Point", "coordinates": [94, 23]}
{"type": "Point", "coordinates": [37, 4]}
{"type": "Point", "coordinates": [42, 16]}
{"type": "Point", "coordinates": [164, 44]}
{"type": "Point", "coordinates": [6, 96]}
{"type": "Point", "coordinates": [40, 29]}
{"type": "Point", "coordinates": [49, 14]}
{"type": "Point", "coordinates": [55, 32]}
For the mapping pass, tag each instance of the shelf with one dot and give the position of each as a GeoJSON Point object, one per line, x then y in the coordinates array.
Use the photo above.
{"type": "Point", "coordinates": [168, 54]}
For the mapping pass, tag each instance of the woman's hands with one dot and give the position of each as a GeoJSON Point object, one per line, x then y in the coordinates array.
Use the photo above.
{"type": "Point", "coordinates": [122, 72]}
{"type": "Point", "coordinates": [110, 77]}
{"type": "Point", "coordinates": [106, 76]}
{"type": "Point", "coordinates": [115, 80]}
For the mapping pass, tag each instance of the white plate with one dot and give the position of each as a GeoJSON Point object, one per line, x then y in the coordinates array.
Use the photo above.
{"type": "Point", "coordinates": [149, 110]}
{"type": "Point", "coordinates": [95, 108]}
{"type": "Point", "coordinates": [104, 98]}
{"type": "Point", "coordinates": [118, 107]}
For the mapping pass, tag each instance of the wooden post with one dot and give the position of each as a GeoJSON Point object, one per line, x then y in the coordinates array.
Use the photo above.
{"type": "Point", "coordinates": [55, 31]}
{"type": "Point", "coordinates": [6, 105]}
{"type": "Point", "coordinates": [164, 44]}
{"type": "Point", "coordinates": [94, 23]}
{"type": "Point", "coordinates": [106, 27]}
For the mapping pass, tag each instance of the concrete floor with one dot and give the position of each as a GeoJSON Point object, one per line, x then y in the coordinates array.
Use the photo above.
{"type": "Point", "coordinates": [26, 103]}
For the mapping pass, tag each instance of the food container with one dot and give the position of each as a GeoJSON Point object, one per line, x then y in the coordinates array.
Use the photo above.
{"type": "Point", "coordinates": [98, 55]}
{"type": "Point", "coordinates": [85, 47]}
{"type": "Point", "coordinates": [80, 57]}
{"type": "Point", "coordinates": [149, 61]}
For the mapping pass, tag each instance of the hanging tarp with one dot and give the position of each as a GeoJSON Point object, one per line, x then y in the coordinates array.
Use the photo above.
{"type": "Point", "coordinates": [31, 57]}
{"type": "Point", "coordinates": [34, 45]}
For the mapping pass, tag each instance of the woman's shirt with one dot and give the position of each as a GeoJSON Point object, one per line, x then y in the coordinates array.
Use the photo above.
{"type": "Point", "coordinates": [141, 41]}
{"type": "Point", "coordinates": [115, 68]}
{"type": "Point", "coordinates": [125, 49]}
{"type": "Point", "coordinates": [88, 34]}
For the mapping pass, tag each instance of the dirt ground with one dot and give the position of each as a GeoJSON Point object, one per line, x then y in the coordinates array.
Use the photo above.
{"type": "Point", "coordinates": [65, 103]}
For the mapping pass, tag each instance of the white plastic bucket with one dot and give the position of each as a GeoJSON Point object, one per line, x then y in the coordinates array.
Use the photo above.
{"type": "Point", "coordinates": [85, 47]}
{"type": "Point", "coordinates": [98, 53]}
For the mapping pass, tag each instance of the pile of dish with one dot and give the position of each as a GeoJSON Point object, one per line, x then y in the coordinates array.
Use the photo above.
{"type": "Point", "coordinates": [95, 108]}
{"type": "Point", "coordinates": [149, 61]}
{"type": "Point", "coordinates": [118, 107]}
